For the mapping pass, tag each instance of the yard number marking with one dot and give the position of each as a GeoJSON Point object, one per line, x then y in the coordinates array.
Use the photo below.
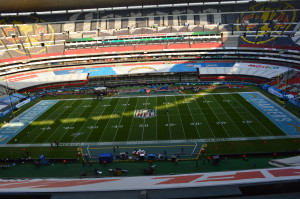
{"type": "Point", "coordinates": [170, 124]}
{"type": "Point", "coordinates": [247, 122]}
{"type": "Point", "coordinates": [117, 126]}
{"type": "Point", "coordinates": [106, 105]}
{"type": "Point", "coordinates": [195, 123]}
{"type": "Point", "coordinates": [92, 127]}
{"type": "Point", "coordinates": [221, 123]}
{"type": "Point", "coordinates": [69, 127]}
{"type": "Point", "coordinates": [143, 125]}
{"type": "Point", "coordinates": [46, 128]}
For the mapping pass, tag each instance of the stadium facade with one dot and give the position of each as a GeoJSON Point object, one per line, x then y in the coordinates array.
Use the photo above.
{"type": "Point", "coordinates": [55, 44]}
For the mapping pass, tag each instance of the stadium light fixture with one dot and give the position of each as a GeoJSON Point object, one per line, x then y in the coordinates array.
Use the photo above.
{"type": "Point", "coordinates": [195, 4]}
{"type": "Point", "coordinates": [149, 6]}
{"type": "Point", "coordinates": [165, 5]}
{"type": "Point", "coordinates": [9, 14]}
{"type": "Point", "coordinates": [25, 13]}
{"type": "Point", "coordinates": [44, 13]}
{"type": "Point", "coordinates": [90, 10]}
{"type": "Point", "coordinates": [119, 8]}
{"type": "Point", "coordinates": [74, 11]}
{"type": "Point", "coordinates": [211, 3]}
{"type": "Point", "coordinates": [59, 12]}
{"type": "Point", "coordinates": [180, 4]}
{"type": "Point", "coordinates": [135, 7]}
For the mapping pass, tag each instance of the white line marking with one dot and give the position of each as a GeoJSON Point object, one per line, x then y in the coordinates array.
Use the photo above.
{"type": "Point", "coordinates": [254, 116]}
{"type": "Point", "coordinates": [179, 117]}
{"type": "Point", "coordinates": [217, 118]}
{"type": "Point", "coordinates": [229, 116]}
{"type": "Point", "coordinates": [91, 115]}
{"type": "Point", "coordinates": [125, 107]}
{"type": "Point", "coordinates": [192, 117]}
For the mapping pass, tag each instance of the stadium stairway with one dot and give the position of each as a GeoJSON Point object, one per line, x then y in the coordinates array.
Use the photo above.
{"type": "Point", "coordinates": [231, 41]}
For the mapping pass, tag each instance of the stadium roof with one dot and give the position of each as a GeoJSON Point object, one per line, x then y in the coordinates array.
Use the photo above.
{"type": "Point", "coordinates": [51, 5]}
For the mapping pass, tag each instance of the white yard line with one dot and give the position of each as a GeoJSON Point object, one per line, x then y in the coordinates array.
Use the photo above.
{"type": "Point", "coordinates": [180, 117]}
{"type": "Point", "coordinates": [168, 117]}
{"type": "Point", "coordinates": [192, 117]}
{"type": "Point", "coordinates": [217, 118]}
{"type": "Point", "coordinates": [159, 95]}
{"type": "Point", "coordinates": [90, 116]}
{"type": "Point", "coordinates": [98, 120]}
{"type": "Point", "coordinates": [241, 115]}
{"type": "Point", "coordinates": [38, 126]}
{"type": "Point", "coordinates": [132, 118]}
{"type": "Point", "coordinates": [109, 119]}
{"type": "Point", "coordinates": [254, 116]}
{"type": "Point", "coordinates": [71, 124]}
{"type": "Point", "coordinates": [167, 106]}
{"type": "Point", "coordinates": [242, 134]}
{"type": "Point", "coordinates": [196, 144]}
{"type": "Point", "coordinates": [59, 127]}
{"type": "Point", "coordinates": [144, 121]}
{"type": "Point", "coordinates": [204, 117]}
{"type": "Point", "coordinates": [81, 111]}
{"type": "Point", "coordinates": [125, 107]}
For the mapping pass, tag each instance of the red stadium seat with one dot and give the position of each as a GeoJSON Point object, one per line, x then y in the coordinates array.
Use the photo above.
{"type": "Point", "coordinates": [151, 47]}
{"type": "Point", "coordinates": [81, 51]}
{"type": "Point", "coordinates": [206, 45]}
{"type": "Point", "coordinates": [117, 48]}
{"type": "Point", "coordinates": [178, 46]}
{"type": "Point", "coordinates": [14, 59]}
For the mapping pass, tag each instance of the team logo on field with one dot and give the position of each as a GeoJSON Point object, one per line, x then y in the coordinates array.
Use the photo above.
{"type": "Point", "coordinates": [145, 113]}
{"type": "Point", "coordinates": [260, 21]}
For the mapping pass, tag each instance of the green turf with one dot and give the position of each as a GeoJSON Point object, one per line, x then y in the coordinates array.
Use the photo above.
{"type": "Point", "coordinates": [254, 146]}
{"type": "Point", "coordinates": [35, 152]}
{"type": "Point", "coordinates": [73, 169]}
{"type": "Point", "coordinates": [178, 118]}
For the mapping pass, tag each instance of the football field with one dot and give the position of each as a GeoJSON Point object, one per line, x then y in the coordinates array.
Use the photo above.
{"type": "Point", "coordinates": [148, 118]}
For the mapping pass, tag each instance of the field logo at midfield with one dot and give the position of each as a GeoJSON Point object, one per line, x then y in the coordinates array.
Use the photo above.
{"type": "Point", "coordinates": [260, 21]}
{"type": "Point", "coordinates": [145, 113]}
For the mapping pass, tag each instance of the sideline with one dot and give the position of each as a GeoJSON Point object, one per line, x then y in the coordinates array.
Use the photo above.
{"type": "Point", "coordinates": [155, 142]}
